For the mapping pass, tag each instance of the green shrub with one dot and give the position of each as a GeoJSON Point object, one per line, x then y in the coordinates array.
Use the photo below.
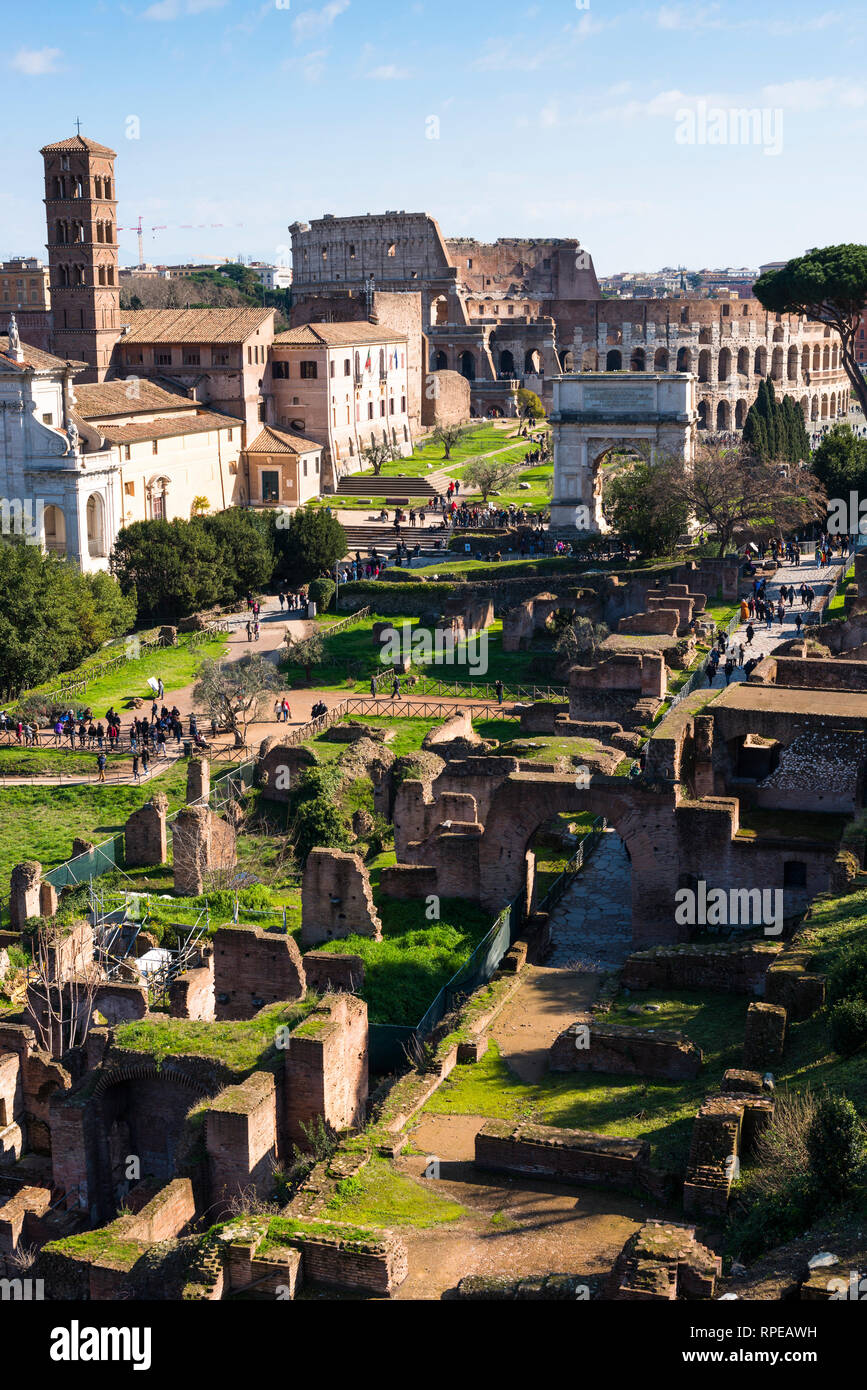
{"type": "Point", "coordinates": [847, 1023]}
{"type": "Point", "coordinates": [847, 978]}
{"type": "Point", "coordinates": [772, 1219]}
{"type": "Point", "coordinates": [835, 1144]}
{"type": "Point", "coordinates": [321, 592]}
{"type": "Point", "coordinates": [319, 824]}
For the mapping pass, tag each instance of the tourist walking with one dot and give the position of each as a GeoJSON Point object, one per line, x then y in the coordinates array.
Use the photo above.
{"type": "Point", "coordinates": [499, 689]}
{"type": "Point", "coordinates": [100, 763]}
{"type": "Point", "coordinates": [135, 774]}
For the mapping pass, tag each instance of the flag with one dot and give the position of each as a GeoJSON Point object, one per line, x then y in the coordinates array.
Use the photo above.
{"type": "Point", "coordinates": [368, 363]}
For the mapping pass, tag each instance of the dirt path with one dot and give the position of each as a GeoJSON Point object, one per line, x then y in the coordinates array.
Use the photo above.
{"type": "Point", "coordinates": [546, 1003]}
{"type": "Point", "coordinates": [513, 1225]}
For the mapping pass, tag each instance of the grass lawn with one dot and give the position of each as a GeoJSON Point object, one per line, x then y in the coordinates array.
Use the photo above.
{"type": "Point", "coordinates": [39, 823]}
{"type": "Point", "coordinates": [239, 1045]}
{"type": "Point", "coordinates": [381, 1196]}
{"type": "Point", "coordinates": [406, 970]}
{"type": "Point", "coordinates": [722, 613]}
{"type": "Point", "coordinates": [350, 658]}
{"type": "Point", "coordinates": [177, 666]}
{"type": "Point", "coordinates": [18, 761]}
{"type": "Point", "coordinates": [795, 825]}
{"type": "Point", "coordinates": [629, 1107]}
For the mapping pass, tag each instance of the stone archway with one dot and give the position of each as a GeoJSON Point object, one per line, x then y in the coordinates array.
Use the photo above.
{"type": "Point", "coordinates": [644, 820]}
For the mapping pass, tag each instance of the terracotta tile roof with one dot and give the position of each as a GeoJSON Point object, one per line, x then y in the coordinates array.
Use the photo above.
{"type": "Point", "coordinates": [192, 325]}
{"type": "Point", "coordinates": [34, 358]}
{"type": "Point", "coordinates": [337, 335]}
{"type": "Point", "coordinates": [78, 142]}
{"type": "Point", "coordinates": [168, 429]}
{"type": "Point", "coordinates": [272, 441]}
{"type": "Point", "coordinates": [99, 399]}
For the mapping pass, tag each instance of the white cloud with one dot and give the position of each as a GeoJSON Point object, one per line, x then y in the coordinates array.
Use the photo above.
{"type": "Point", "coordinates": [311, 66]}
{"type": "Point", "coordinates": [312, 22]}
{"type": "Point", "coordinates": [682, 17]}
{"type": "Point", "coordinates": [36, 62]}
{"type": "Point", "coordinates": [168, 10]}
{"type": "Point", "coordinates": [388, 73]}
{"type": "Point", "coordinates": [815, 94]}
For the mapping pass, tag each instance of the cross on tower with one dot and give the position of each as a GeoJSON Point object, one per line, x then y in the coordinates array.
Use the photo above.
{"type": "Point", "coordinates": [78, 125]}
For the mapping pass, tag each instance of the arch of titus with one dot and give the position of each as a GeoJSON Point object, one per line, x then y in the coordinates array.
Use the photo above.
{"type": "Point", "coordinates": [595, 412]}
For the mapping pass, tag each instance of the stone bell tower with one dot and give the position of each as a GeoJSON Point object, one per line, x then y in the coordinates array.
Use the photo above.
{"type": "Point", "coordinates": [82, 252]}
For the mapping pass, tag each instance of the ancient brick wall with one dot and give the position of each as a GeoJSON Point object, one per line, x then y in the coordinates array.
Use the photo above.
{"type": "Point", "coordinates": [561, 1155]}
{"type": "Point", "coordinates": [24, 884]}
{"type": "Point", "coordinates": [336, 899]}
{"type": "Point", "coordinates": [328, 972]}
{"type": "Point", "coordinates": [241, 1139]}
{"type": "Point", "coordinates": [201, 843]}
{"type": "Point", "coordinates": [144, 836]}
{"type": "Point", "coordinates": [623, 1050]}
{"type": "Point", "coordinates": [280, 766]}
{"type": "Point", "coordinates": [192, 994]}
{"type": "Point", "coordinates": [198, 780]}
{"type": "Point", "coordinates": [729, 968]}
{"type": "Point", "coordinates": [765, 1036]}
{"type": "Point", "coordinates": [445, 399]}
{"type": "Point", "coordinates": [254, 968]}
{"type": "Point", "coordinates": [326, 1070]}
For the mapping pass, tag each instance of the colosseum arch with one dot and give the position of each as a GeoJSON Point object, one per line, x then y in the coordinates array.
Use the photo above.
{"type": "Point", "coordinates": [724, 365]}
{"type": "Point", "coordinates": [824, 406]}
{"type": "Point", "coordinates": [723, 415]}
{"type": "Point", "coordinates": [805, 407]}
{"type": "Point", "coordinates": [702, 415]}
{"type": "Point", "coordinates": [507, 363]}
{"type": "Point", "coordinates": [441, 361]}
{"type": "Point", "coordinates": [468, 365]}
{"type": "Point", "coordinates": [833, 405]}
{"type": "Point", "coordinates": [568, 361]}
{"type": "Point", "coordinates": [814, 408]}
{"type": "Point", "coordinates": [743, 361]}
{"type": "Point", "coordinates": [777, 364]}
{"type": "Point", "coordinates": [741, 409]}
{"type": "Point", "coordinates": [817, 358]}
{"type": "Point", "coordinates": [532, 362]}
{"type": "Point", "coordinates": [805, 361]}
{"type": "Point", "coordinates": [760, 362]}
{"type": "Point", "coordinates": [614, 361]}
{"type": "Point", "coordinates": [792, 364]}
{"type": "Point", "coordinates": [704, 365]}
{"type": "Point", "coordinates": [589, 360]}
{"type": "Point", "coordinates": [660, 360]}
{"type": "Point", "coordinates": [439, 311]}
{"type": "Point", "coordinates": [684, 360]}
{"type": "Point", "coordinates": [637, 360]}
{"type": "Point", "coordinates": [826, 358]}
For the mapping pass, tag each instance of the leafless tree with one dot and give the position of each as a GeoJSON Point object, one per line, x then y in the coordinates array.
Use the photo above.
{"type": "Point", "coordinates": [62, 985]}
{"type": "Point", "coordinates": [731, 491]}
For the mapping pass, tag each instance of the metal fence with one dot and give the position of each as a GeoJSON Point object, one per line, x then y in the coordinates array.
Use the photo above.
{"type": "Point", "coordinates": [586, 846]}
{"type": "Point", "coordinates": [427, 685]}
{"type": "Point", "coordinates": [333, 629]}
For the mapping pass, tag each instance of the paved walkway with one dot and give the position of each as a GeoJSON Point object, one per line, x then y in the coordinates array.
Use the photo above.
{"type": "Point", "coordinates": [591, 926]}
{"type": "Point", "coordinates": [767, 639]}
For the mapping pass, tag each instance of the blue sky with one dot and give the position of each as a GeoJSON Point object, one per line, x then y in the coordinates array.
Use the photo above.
{"type": "Point", "coordinates": [550, 118]}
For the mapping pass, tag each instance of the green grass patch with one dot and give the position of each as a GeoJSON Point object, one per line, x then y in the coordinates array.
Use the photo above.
{"type": "Point", "coordinates": [178, 666]}
{"type": "Point", "coordinates": [18, 761]}
{"type": "Point", "coordinates": [39, 822]}
{"type": "Point", "coordinates": [405, 971]}
{"type": "Point", "coordinates": [381, 1196]}
{"type": "Point", "coordinates": [240, 1046]}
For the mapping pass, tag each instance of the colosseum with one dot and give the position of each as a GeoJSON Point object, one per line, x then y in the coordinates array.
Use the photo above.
{"type": "Point", "coordinates": [730, 344]}
{"type": "Point", "coordinates": [518, 312]}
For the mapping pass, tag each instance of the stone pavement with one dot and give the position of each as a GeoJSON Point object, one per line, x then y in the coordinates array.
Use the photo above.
{"type": "Point", "coordinates": [591, 926]}
{"type": "Point", "coordinates": [767, 639]}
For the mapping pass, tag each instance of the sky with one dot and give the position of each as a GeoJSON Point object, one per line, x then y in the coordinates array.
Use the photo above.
{"type": "Point", "coordinates": [614, 123]}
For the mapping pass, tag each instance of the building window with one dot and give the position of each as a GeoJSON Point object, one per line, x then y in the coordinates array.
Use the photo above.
{"type": "Point", "coordinates": [351, 252]}
{"type": "Point", "coordinates": [280, 371]}
{"type": "Point", "coordinates": [382, 408]}
{"type": "Point", "coordinates": [229, 434]}
{"type": "Point", "coordinates": [155, 446]}
{"type": "Point", "coordinates": [191, 357]}
{"type": "Point", "coordinates": [333, 367]}
{"type": "Point", "coordinates": [316, 464]}
{"type": "Point", "coordinates": [270, 487]}
{"type": "Point", "coordinates": [347, 366]}
{"type": "Point", "coordinates": [309, 371]}
{"type": "Point", "coordinates": [220, 357]}
{"type": "Point", "coordinates": [129, 488]}
{"type": "Point", "coordinates": [106, 189]}
{"type": "Point", "coordinates": [48, 419]}
{"type": "Point", "coordinates": [403, 405]}
{"type": "Point", "coordinates": [249, 356]}
{"type": "Point", "coordinates": [370, 410]}
{"type": "Point", "coordinates": [305, 468]}
{"type": "Point", "coordinates": [391, 406]}
{"type": "Point", "coordinates": [162, 357]}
